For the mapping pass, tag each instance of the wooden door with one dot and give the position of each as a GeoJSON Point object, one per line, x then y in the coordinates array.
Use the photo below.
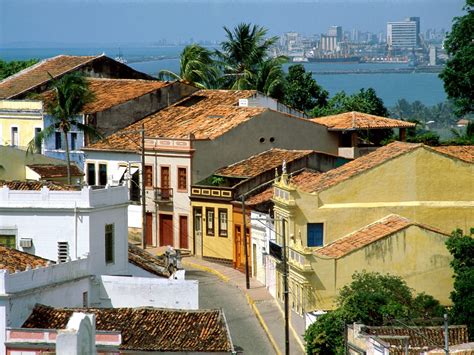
{"type": "Point", "coordinates": [166, 229]}
{"type": "Point", "coordinates": [165, 182]}
{"type": "Point", "coordinates": [149, 228]}
{"type": "Point", "coordinates": [237, 246]}
{"type": "Point", "coordinates": [183, 232]}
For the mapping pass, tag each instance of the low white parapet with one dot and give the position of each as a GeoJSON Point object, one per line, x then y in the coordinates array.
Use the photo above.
{"type": "Point", "coordinates": [87, 197]}
{"type": "Point", "coordinates": [43, 276]}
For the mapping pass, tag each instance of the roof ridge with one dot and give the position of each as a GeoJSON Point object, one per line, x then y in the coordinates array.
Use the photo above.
{"type": "Point", "coordinates": [31, 67]}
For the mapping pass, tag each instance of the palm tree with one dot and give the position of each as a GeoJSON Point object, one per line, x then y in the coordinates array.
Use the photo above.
{"type": "Point", "coordinates": [197, 67]}
{"type": "Point", "coordinates": [70, 94]}
{"type": "Point", "coordinates": [243, 53]}
{"type": "Point", "coordinates": [270, 78]}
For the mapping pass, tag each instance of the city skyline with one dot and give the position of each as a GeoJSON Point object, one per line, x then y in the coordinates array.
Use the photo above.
{"type": "Point", "coordinates": [50, 22]}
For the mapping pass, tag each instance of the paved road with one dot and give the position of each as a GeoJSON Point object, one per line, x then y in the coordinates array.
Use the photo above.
{"type": "Point", "coordinates": [247, 334]}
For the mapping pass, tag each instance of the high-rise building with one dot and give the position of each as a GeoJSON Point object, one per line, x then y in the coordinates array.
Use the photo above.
{"type": "Point", "coordinates": [404, 34]}
{"type": "Point", "coordinates": [328, 43]}
{"type": "Point", "coordinates": [335, 31]}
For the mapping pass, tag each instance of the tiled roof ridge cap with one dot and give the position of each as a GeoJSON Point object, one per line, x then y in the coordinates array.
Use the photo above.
{"type": "Point", "coordinates": [151, 308]}
{"type": "Point", "coordinates": [131, 80]}
{"type": "Point", "coordinates": [413, 146]}
{"type": "Point", "coordinates": [445, 154]}
{"type": "Point", "coordinates": [91, 58]}
{"type": "Point", "coordinates": [26, 70]}
{"type": "Point", "coordinates": [452, 326]}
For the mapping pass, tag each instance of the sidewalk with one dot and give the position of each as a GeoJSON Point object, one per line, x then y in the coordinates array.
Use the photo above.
{"type": "Point", "coordinates": [265, 307]}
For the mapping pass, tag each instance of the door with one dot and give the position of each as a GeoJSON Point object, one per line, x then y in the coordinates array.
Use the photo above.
{"type": "Point", "coordinates": [237, 246]}
{"type": "Point", "coordinates": [197, 232]}
{"type": "Point", "coordinates": [254, 259]}
{"type": "Point", "coordinates": [166, 229]}
{"type": "Point", "coordinates": [165, 182]}
{"type": "Point", "coordinates": [183, 232]}
{"type": "Point", "coordinates": [149, 228]}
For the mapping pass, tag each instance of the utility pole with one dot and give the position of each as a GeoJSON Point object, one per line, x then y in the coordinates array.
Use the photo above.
{"type": "Point", "coordinates": [446, 334]}
{"type": "Point", "coordinates": [246, 252]}
{"type": "Point", "coordinates": [142, 132]}
{"type": "Point", "coordinates": [286, 292]}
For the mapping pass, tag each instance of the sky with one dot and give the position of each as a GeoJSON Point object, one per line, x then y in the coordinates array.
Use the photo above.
{"type": "Point", "coordinates": [126, 22]}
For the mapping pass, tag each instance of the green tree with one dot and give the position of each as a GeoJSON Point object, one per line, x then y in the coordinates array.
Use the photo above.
{"type": "Point", "coordinates": [242, 55]}
{"type": "Point", "coordinates": [458, 75]}
{"type": "Point", "coordinates": [197, 66]}
{"type": "Point", "coordinates": [461, 248]}
{"type": "Point", "coordinates": [9, 68]}
{"type": "Point", "coordinates": [465, 137]}
{"type": "Point", "coordinates": [371, 299]}
{"type": "Point", "coordinates": [71, 93]}
{"type": "Point", "coordinates": [301, 91]}
{"type": "Point", "coordinates": [270, 78]}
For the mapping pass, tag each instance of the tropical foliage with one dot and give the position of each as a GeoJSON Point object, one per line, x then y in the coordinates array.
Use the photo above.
{"type": "Point", "coordinates": [461, 248]}
{"type": "Point", "coordinates": [371, 299]}
{"type": "Point", "coordinates": [10, 68]}
{"type": "Point", "coordinates": [458, 75]}
{"type": "Point", "coordinates": [440, 115]}
{"type": "Point", "coordinates": [71, 93]}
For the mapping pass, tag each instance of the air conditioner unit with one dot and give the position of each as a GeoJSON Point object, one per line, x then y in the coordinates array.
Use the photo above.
{"type": "Point", "coordinates": [26, 242]}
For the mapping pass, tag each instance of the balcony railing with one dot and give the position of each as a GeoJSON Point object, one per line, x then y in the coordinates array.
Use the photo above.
{"type": "Point", "coordinates": [163, 194]}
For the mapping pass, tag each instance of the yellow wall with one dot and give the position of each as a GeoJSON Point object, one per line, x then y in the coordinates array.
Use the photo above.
{"type": "Point", "coordinates": [215, 246]}
{"type": "Point", "coordinates": [417, 255]}
{"type": "Point", "coordinates": [24, 114]}
{"type": "Point", "coordinates": [423, 186]}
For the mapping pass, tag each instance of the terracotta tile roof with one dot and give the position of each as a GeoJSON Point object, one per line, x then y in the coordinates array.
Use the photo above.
{"type": "Point", "coordinates": [32, 185]}
{"type": "Point", "coordinates": [420, 338]}
{"type": "Point", "coordinates": [369, 234]}
{"type": "Point", "coordinates": [261, 197]}
{"type": "Point", "coordinates": [358, 120]}
{"type": "Point", "coordinates": [214, 114]}
{"type": "Point", "coordinates": [462, 152]}
{"type": "Point", "coordinates": [332, 177]}
{"type": "Point", "coordinates": [147, 328]}
{"type": "Point", "coordinates": [54, 171]}
{"type": "Point", "coordinates": [37, 74]}
{"type": "Point", "coordinates": [112, 92]}
{"type": "Point", "coordinates": [12, 260]}
{"type": "Point", "coordinates": [260, 163]}
{"type": "Point", "coordinates": [147, 262]}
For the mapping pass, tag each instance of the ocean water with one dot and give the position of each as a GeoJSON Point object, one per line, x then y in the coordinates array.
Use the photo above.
{"type": "Point", "coordinates": [425, 87]}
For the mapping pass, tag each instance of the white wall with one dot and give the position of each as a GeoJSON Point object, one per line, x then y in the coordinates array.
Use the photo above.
{"type": "Point", "coordinates": [262, 232]}
{"type": "Point", "coordinates": [153, 292]}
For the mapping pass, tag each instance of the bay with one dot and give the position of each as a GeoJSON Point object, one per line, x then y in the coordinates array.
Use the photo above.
{"type": "Point", "coordinates": [425, 87]}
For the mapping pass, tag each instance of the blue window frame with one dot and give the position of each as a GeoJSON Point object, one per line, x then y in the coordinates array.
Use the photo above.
{"type": "Point", "coordinates": [315, 234]}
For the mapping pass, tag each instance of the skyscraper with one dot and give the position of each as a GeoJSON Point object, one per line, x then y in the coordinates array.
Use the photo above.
{"type": "Point", "coordinates": [335, 31]}
{"type": "Point", "coordinates": [404, 34]}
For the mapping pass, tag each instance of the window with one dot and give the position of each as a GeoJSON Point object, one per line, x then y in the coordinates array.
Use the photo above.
{"type": "Point", "coordinates": [85, 299]}
{"type": "Point", "coordinates": [109, 243]}
{"type": "Point", "coordinates": [102, 174]}
{"type": "Point", "coordinates": [37, 143]}
{"type": "Point", "coordinates": [315, 234]}
{"type": "Point", "coordinates": [14, 137]}
{"type": "Point", "coordinates": [8, 241]}
{"type": "Point", "coordinates": [210, 221]}
{"type": "Point", "coordinates": [73, 140]}
{"type": "Point", "coordinates": [63, 252]}
{"type": "Point", "coordinates": [182, 179]}
{"type": "Point", "coordinates": [57, 140]}
{"type": "Point", "coordinates": [148, 176]}
{"type": "Point", "coordinates": [222, 223]}
{"type": "Point", "coordinates": [90, 174]}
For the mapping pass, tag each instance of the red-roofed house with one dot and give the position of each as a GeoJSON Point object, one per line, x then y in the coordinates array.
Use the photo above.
{"type": "Point", "coordinates": [390, 211]}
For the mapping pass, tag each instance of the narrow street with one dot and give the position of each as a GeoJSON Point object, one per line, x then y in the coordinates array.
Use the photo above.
{"type": "Point", "coordinates": [246, 332]}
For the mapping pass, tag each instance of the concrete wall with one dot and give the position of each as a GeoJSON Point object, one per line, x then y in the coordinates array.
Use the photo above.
{"type": "Point", "coordinates": [152, 292]}
{"type": "Point", "coordinates": [261, 233]}
{"type": "Point", "coordinates": [120, 116]}
{"type": "Point", "coordinates": [77, 217]}
{"type": "Point", "coordinates": [243, 141]}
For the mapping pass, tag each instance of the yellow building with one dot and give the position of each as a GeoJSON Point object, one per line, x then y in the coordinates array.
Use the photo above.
{"type": "Point", "coordinates": [20, 121]}
{"type": "Point", "coordinates": [390, 211]}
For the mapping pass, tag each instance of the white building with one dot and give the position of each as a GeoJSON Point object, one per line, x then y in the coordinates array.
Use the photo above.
{"type": "Point", "coordinates": [404, 34]}
{"type": "Point", "coordinates": [60, 223]}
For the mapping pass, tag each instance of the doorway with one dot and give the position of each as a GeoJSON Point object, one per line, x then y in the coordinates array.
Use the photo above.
{"type": "Point", "coordinates": [149, 228]}
{"type": "Point", "coordinates": [166, 229]}
{"type": "Point", "coordinates": [183, 232]}
{"type": "Point", "coordinates": [197, 231]}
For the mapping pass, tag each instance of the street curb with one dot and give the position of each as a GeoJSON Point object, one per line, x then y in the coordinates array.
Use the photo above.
{"type": "Point", "coordinates": [251, 302]}
{"type": "Point", "coordinates": [295, 334]}
{"type": "Point", "coordinates": [206, 269]}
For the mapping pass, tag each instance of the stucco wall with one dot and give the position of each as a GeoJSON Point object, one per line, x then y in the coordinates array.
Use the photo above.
{"type": "Point", "coordinates": [152, 292]}
{"type": "Point", "coordinates": [417, 255]}
{"type": "Point", "coordinates": [425, 187]}
{"type": "Point", "coordinates": [244, 141]}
